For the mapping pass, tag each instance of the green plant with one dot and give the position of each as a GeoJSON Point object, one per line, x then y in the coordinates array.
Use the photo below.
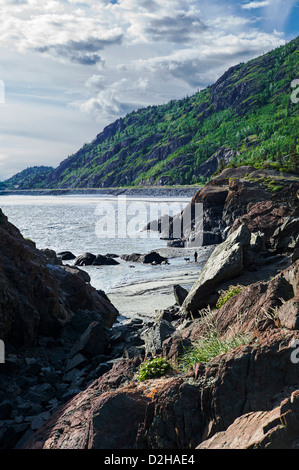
{"type": "Point", "coordinates": [153, 368]}
{"type": "Point", "coordinates": [228, 294]}
{"type": "Point", "coordinates": [208, 347]}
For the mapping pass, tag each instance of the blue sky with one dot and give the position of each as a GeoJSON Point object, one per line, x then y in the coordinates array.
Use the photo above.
{"type": "Point", "coordinates": [71, 67]}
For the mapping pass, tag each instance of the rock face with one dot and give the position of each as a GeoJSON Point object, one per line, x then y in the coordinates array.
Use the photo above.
{"type": "Point", "coordinates": [242, 196]}
{"type": "Point", "coordinates": [226, 262]}
{"type": "Point", "coordinates": [37, 298]}
{"type": "Point", "coordinates": [175, 412]}
{"type": "Point", "coordinates": [30, 298]}
{"type": "Point", "coordinates": [275, 429]}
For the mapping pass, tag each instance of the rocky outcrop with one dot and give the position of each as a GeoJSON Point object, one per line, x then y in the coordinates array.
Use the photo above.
{"type": "Point", "coordinates": [224, 155]}
{"type": "Point", "coordinates": [226, 262]}
{"type": "Point", "coordinates": [30, 297]}
{"type": "Point", "coordinates": [177, 412]}
{"type": "Point", "coordinates": [239, 196]}
{"type": "Point", "coordinates": [275, 429]}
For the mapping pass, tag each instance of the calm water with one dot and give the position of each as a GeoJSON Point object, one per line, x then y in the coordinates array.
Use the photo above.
{"type": "Point", "coordinates": [73, 223]}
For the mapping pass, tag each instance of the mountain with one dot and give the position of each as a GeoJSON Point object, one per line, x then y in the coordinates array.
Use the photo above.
{"type": "Point", "coordinates": [246, 118]}
{"type": "Point", "coordinates": [33, 177]}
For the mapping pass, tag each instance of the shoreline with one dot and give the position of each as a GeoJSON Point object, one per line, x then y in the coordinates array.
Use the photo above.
{"type": "Point", "coordinates": [142, 298]}
{"type": "Point", "coordinates": [158, 191]}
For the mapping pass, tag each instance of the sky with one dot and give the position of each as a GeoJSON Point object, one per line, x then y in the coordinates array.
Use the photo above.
{"type": "Point", "coordinates": [68, 68]}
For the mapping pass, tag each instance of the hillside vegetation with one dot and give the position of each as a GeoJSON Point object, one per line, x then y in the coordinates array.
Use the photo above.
{"type": "Point", "coordinates": [246, 117]}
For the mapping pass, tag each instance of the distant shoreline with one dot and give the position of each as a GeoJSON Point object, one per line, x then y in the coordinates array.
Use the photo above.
{"type": "Point", "coordinates": [182, 191]}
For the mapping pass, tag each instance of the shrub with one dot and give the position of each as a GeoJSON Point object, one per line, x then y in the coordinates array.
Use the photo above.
{"type": "Point", "coordinates": [153, 368]}
{"type": "Point", "coordinates": [226, 295]}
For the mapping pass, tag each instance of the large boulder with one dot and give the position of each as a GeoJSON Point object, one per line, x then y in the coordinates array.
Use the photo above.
{"type": "Point", "coordinates": [37, 297]}
{"type": "Point", "coordinates": [93, 342]}
{"type": "Point", "coordinates": [66, 255]}
{"type": "Point", "coordinates": [101, 260]}
{"type": "Point", "coordinates": [226, 262]}
{"type": "Point", "coordinates": [79, 295]}
{"type": "Point", "coordinates": [31, 301]}
{"type": "Point", "coordinates": [86, 259]}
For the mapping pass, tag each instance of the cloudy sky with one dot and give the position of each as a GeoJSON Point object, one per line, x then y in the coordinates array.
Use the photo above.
{"type": "Point", "coordinates": [70, 67]}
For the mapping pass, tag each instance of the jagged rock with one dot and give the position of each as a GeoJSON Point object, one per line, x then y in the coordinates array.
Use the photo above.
{"type": "Point", "coordinates": [179, 294]}
{"type": "Point", "coordinates": [265, 216]}
{"type": "Point", "coordinates": [40, 393]}
{"type": "Point", "coordinates": [154, 336]}
{"type": "Point", "coordinates": [291, 274]}
{"type": "Point", "coordinates": [225, 263]}
{"type": "Point", "coordinates": [259, 300]}
{"type": "Point", "coordinates": [210, 166]}
{"type": "Point", "coordinates": [286, 236]}
{"type": "Point", "coordinates": [80, 295]}
{"type": "Point", "coordinates": [51, 256]}
{"type": "Point", "coordinates": [275, 429]}
{"type": "Point", "coordinates": [93, 342]}
{"type": "Point", "coordinates": [30, 297]}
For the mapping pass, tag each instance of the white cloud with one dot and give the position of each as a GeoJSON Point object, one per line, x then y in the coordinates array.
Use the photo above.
{"type": "Point", "coordinates": [97, 59]}
{"type": "Point", "coordinates": [253, 5]}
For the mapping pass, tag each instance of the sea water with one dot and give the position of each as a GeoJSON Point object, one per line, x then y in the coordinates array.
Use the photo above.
{"type": "Point", "coordinates": [71, 223]}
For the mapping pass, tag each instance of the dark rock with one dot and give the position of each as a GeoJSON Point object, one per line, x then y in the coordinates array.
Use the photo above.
{"type": "Point", "coordinates": [86, 259]}
{"type": "Point", "coordinates": [134, 257]}
{"type": "Point", "coordinates": [153, 337]}
{"type": "Point", "coordinates": [265, 217]}
{"type": "Point", "coordinates": [176, 243]}
{"type": "Point", "coordinates": [66, 255]}
{"type": "Point", "coordinates": [93, 342]}
{"type": "Point", "coordinates": [101, 260]}
{"type": "Point", "coordinates": [50, 256]}
{"type": "Point", "coordinates": [80, 295]}
{"type": "Point", "coordinates": [147, 258]}
{"type": "Point", "coordinates": [40, 394]}
{"type": "Point", "coordinates": [153, 257]}
{"type": "Point", "coordinates": [78, 360]}
{"type": "Point", "coordinates": [179, 294]}
{"type": "Point", "coordinates": [295, 255]}
{"type": "Point", "coordinates": [5, 409]}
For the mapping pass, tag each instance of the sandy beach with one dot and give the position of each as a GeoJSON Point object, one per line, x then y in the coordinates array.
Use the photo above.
{"type": "Point", "coordinates": [142, 298]}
